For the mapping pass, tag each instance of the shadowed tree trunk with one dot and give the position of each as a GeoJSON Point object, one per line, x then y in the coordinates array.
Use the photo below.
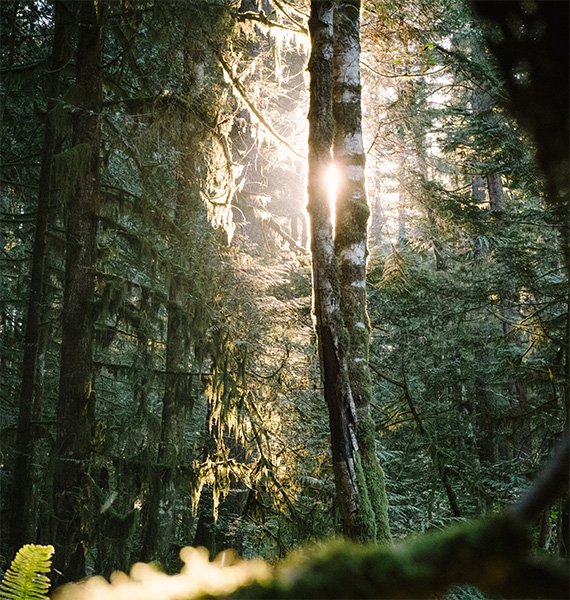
{"type": "Point", "coordinates": [22, 529]}
{"type": "Point", "coordinates": [177, 403]}
{"type": "Point", "coordinates": [183, 304]}
{"type": "Point", "coordinates": [76, 402]}
{"type": "Point", "coordinates": [160, 524]}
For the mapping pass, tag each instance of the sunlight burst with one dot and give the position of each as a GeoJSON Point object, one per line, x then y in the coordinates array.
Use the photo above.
{"type": "Point", "coordinates": [332, 184]}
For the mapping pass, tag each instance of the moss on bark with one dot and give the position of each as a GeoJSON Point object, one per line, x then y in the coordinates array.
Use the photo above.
{"type": "Point", "coordinates": [352, 214]}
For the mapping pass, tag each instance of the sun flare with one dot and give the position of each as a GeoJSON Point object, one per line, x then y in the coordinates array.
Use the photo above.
{"type": "Point", "coordinates": [332, 184]}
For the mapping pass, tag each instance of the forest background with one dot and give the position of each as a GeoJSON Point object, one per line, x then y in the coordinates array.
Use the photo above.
{"type": "Point", "coordinates": [160, 377]}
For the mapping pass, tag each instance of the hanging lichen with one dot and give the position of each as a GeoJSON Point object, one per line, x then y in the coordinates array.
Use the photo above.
{"type": "Point", "coordinates": [219, 186]}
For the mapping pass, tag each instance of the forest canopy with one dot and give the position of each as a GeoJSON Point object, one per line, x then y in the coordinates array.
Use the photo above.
{"type": "Point", "coordinates": [276, 271]}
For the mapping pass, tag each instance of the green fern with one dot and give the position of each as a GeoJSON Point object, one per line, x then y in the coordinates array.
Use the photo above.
{"type": "Point", "coordinates": [26, 578]}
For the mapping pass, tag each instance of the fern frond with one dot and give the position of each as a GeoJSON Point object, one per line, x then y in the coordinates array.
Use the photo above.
{"type": "Point", "coordinates": [26, 578]}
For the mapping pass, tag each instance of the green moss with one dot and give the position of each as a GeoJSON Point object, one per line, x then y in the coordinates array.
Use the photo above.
{"type": "Point", "coordinates": [374, 474]}
{"type": "Point", "coordinates": [490, 554]}
{"type": "Point", "coordinates": [360, 212]}
{"type": "Point", "coordinates": [59, 119]}
{"type": "Point", "coordinates": [481, 551]}
{"type": "Point", "coordinates": [351, 223]}
{"type": "Point", "coordinates": [366, 517]}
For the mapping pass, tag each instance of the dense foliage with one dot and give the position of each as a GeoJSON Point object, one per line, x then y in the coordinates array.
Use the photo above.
{"type": "Point", "coordinates": [205, 422]}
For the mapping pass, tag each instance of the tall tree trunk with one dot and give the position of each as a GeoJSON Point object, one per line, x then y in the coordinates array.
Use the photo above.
{"type": "Point", "coordinates": [352, 496]}
{"type": "Point", "coordinates": [22, 529]}
{"type": "Point", "coordinates": [76, 402]}
{"type": "Point", "coordinates": [509, 299]}
{"type": "Point", "coordinates": [177, 403]}
{"type": "Point", "coordinates": [351, 223]}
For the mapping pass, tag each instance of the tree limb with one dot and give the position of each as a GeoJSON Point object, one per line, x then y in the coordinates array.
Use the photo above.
{"type": "Point", "coordinates": [262, 18]}
{"type": "Point", "coordinates": [238, 86]}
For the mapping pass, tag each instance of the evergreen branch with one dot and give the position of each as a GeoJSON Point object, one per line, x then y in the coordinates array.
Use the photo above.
{"type": "Point", "coordinates": [400, 75]}
{"type": "Point", "coordinates": [271, 471]}
{"type": "Point", "coordinates": [437, 454]}
{"type": "Point", "coordinates": [238, 86]}
{"type": "Point", "coordinates": [128, 368]}
{"type": "Point", "coordinates": [139, 205]}
{"type": "Point", "coordinates": [275, 373]}
{"type": "Point", "coordinates": [294, 9]}
{"type": "Point", "coordinates": [157, 294]}
{"type": "Point", "coordinates": [31, 186]}
{"type": "Point", "coordinates": [278, 229]}
{"type": "Point", "coordinates": [471, 68]}
{"type": "Point", "coordinates": [273, 224]}
{"type": "Point", "coordinates": [23, 68]}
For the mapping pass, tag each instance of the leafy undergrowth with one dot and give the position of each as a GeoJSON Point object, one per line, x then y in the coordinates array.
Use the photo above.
{"type": "Point", "coordinates": [27, 579]}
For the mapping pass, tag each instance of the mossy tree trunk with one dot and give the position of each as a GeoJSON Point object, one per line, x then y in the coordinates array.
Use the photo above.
{"type": "Point", "coordinates": [177, 402]}
{"type": "Point", "coordinates": [76, 401]}
{"type": "Point", "coordinates": [22, 529]}
{"type": "Point", "coordinates": [351, 231]}
{"type": "Point", "coordinates": [352, 494]}
{"type": "Point", "coordinates": [160, 523]}
{"type": "Point", "coordinates": [186, 320]}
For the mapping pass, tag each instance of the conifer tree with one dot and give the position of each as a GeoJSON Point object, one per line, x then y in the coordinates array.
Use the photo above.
{"type": "Point", "coordinates": [24, 491]}
{"type": "Point", "coordinates": [76, 403]}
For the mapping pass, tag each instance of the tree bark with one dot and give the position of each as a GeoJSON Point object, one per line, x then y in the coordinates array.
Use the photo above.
{"type": "Point", "coordinates": [160, 525]}
{"type": "Point", "coordinates": [351, 231]}
{"type": "Point", "coordinates": [177, 405]}
{"type": "Point", "coordinates": [76, 402]}
{"type": "Point", "coordinates": [178, 401]}
{"type": "Point", "coordinates": [352, 497]}
{"type": "Point", "coordinates": [22, 529]}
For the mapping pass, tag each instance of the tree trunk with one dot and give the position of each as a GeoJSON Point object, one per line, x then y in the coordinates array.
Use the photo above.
{"type": "Point", "coordinates": [178, 402]}
{"type": "Point", "coordinates": [495, 187]}
{"type": "Point", "coordinates": [160, 529]}
{"type": "Point", "coordinates": [76, 402]}
{"type": "Point", "coordinates": [352, 497]}
{"type": "Point", "coordinates": [22, 530]}
{"type": "Point", "coordinates": [351, 223]}
{"type": "Point", "coordinates": [510, 298]}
